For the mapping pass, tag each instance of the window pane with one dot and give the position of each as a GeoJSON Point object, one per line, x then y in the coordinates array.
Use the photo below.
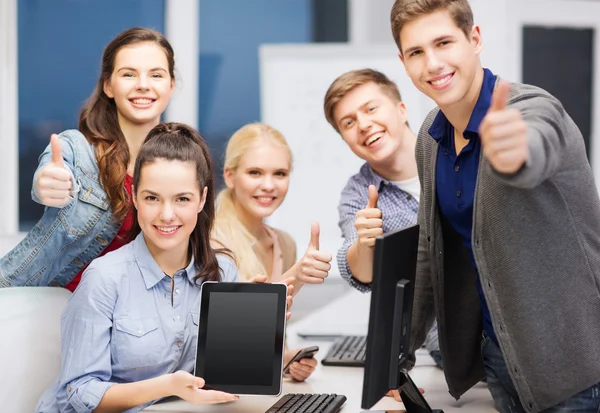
{"type": "Point", "coordinates": [569, 77]}
{"type": "Point", "coordinates": [230, 34]}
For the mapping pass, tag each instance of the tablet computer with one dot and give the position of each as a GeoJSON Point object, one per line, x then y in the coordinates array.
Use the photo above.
{"type": "Point", "coordinates": [240, 337]}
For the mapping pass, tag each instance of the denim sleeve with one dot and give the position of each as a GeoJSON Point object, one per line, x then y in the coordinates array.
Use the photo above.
{"type": "Point", "coordinates": [86, 343]}
{"type": "Point", "coordinates": [67, 148]}
{"type": "Point", "coordinates": [351, 201]}
{"type": "Point", "coordinates": [229, 272]}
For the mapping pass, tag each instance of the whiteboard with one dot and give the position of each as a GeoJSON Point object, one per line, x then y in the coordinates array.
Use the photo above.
{"type": "Point", "coordinates": [293, 82]}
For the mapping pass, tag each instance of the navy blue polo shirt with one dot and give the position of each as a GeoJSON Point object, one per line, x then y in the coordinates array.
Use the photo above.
{"type": "Point", "coordinates": [456, 176]}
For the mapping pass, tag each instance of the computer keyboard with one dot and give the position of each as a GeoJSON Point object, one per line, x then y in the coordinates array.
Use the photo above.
{"type": "Point", "coordinates": [348, 351]}
{"type": "Point", "coordinates": [308, 403]}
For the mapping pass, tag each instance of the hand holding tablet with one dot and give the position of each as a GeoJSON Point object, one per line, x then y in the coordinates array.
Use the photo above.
{"type": "Point", "coordinates": [189, 388]}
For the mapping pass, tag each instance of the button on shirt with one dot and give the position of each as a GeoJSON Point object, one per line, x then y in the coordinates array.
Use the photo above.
{"type": "Point", "coordinates": [456, 177]}
{"type": "Point", "coordinates": [127, 321]}
{"type": "Point", "coordinates": [399, 210]}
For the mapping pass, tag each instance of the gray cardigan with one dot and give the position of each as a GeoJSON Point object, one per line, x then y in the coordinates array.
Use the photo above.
{"type": "Point", "coordinates": [536, 242]}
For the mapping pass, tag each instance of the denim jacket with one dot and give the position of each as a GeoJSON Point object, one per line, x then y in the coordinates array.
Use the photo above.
{"type": "Point", "coordinates": [65, 239]}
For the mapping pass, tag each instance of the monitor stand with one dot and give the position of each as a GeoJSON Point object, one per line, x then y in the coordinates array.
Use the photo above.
{"type": "Point", "coordinates": [413, 400]}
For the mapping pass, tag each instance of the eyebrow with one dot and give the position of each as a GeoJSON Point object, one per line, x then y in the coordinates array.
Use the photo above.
{"type": "Point", "coordinates": [349, 115]}
{"type": "Point", "coordinates": [257, 168]}
{"type": "Point", "coordinates": [154, 69]}
{"type": "Point", "coordinates": [436, 40]}
{"type": "Point", "coordinates": [176, 195]}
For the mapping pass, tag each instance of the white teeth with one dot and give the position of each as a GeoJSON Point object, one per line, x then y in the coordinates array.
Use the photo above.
{"type": "Point", "coordinates": [440, 81]}
{"type": "Point", "coordinates": [142, 101]}
{"type": "Point", "coordinates": [373, 139]}
{"type": "Point", "coordinates": [167, 229]}
{"type": "Point", "coordinates": [265, 199]}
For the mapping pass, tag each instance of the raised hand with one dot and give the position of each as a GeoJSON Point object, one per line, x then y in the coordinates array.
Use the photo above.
{"type": "Point", "coordinates": [503, 133]}
{"type": "Point", "coordinates": [314, 266]}
{"type": "Point", "coordinates": [54, 184]}
{"type": "Point", "coordinates": [189, 388]}
{"type": "Point", "coordinates": [368, 222]}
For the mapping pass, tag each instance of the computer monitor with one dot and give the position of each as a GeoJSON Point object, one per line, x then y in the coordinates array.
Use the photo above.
{"type": "Point", "coordinates": [388, 338]}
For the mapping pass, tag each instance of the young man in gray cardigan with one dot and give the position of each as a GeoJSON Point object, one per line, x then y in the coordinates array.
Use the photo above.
{"type": "Point", "coordinates": [509, 252]}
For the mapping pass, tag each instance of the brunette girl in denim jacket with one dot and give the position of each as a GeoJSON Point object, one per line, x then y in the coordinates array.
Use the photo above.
{"type": "Point", "coordinates": [129, 331]}
{"type": "Point", "coordinates": [84, 176]}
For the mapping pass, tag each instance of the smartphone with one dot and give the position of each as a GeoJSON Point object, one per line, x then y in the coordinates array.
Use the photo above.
{"type": "Point", "coordinates": [303, 353]}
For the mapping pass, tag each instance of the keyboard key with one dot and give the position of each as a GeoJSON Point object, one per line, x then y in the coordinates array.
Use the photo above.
{"type": "Point", "coordinates": [308, 403]}
{"type": "Point", "coordinates": [347, 351]}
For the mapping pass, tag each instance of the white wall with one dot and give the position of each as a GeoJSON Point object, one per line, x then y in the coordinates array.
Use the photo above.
{"type": "Point", "coordinates": [369, 21]}
{"type": "Point", "coordinates": [9, 217]}
{"type": "Point", "coordinates": [182, 19]}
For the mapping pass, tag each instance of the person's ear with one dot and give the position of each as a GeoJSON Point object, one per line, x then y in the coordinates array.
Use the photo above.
{"type": "Point", "coordinates": [402, 112]}
{"type": "Point", "coordinates": [108, 89]}
{"type": "Point", "coordinates": [134, 197]}
{"type": "Point", "coordinates": [203, 199]}
{"type": "Point", "coordinates": [476, 39]}
{"type": "Point", "coordinates": [228, 175]}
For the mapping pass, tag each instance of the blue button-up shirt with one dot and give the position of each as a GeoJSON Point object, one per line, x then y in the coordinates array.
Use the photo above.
{"type": "Point", "coordinates": [398, 208]}
{"type": "Point", "coordinates": [127, 321]}
{"type": "Point", "coordinates": [456, 177]}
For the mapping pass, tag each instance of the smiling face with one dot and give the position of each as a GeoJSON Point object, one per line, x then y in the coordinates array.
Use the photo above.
{"type": "Point", "coordinates": [441, 60]}
{"type": "Point", "coordinates": [168, 201]}
{"type": "Point", "coordinates": [261, 180]}
{"type": "Point", "coordinates": [140, 83]}
{"type": "Point", "coordinates": [372, 124]}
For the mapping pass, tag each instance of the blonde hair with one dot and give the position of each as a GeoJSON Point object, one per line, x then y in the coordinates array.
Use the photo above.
{"type": "Point", "coordinates": [349, 81]}
{"type": "Point", "coordinates": [405, 11]}
{"type": "Point", "coordinates": [228, 230]}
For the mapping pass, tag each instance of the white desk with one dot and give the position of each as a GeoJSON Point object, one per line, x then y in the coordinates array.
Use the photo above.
{"type": "Point", "coordinates": [348, 380]}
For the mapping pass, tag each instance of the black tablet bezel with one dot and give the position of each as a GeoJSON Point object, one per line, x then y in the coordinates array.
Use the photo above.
{"type": "Point", "coordinates": [223, 287]}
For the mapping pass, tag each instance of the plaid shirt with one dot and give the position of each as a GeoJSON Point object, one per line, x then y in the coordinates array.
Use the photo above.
{"type": "Point", "coordinates": [399, 210]}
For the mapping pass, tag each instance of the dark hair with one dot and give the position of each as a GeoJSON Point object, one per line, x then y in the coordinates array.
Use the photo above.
{"type": "Point", "coordinates": [179, 142]}
{"type": "Point", "coordinates": [405, 11]}
{"type": "Point", "coordinates": [99, 123]}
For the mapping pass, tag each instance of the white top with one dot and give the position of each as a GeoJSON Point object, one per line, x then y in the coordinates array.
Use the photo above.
{"type": "Point", "coordinates": [411, 186]}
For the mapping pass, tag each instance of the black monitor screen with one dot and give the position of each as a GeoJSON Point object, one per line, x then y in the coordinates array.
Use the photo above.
{"type": "Point", "coordinates": [393, 275]}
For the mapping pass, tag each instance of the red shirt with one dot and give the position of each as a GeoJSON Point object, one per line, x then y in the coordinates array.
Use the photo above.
{"type": "Point", "coordinates": [117, 242]}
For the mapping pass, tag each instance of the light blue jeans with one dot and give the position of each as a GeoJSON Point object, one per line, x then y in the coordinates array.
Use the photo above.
{"type": "Point", "coordinates": [505, 395]}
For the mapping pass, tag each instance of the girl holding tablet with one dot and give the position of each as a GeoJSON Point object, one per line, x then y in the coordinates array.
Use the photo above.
{"type": "Point", "coordinates": [129, 331]}
{"type": "Point", "coordinates": [258, 162]}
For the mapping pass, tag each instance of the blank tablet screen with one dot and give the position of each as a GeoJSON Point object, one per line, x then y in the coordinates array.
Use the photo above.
{"type": "Point", "coordinates": [240, 339]}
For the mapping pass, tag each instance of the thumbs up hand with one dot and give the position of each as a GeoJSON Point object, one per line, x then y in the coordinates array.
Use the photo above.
{"type": "Point", "coordinates": [503, 133]}
{"type": "Point", "coordinates": [53, 184]}
{"type": "Point", "coordinates": [314, 266]}
{"type": "Point", "coordinates": [368, 222]}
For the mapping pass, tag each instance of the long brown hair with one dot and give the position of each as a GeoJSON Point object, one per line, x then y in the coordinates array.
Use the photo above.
{"type": "Point", "coordinates": [179, 142]}
{"type": "Point", "coordinates": [99, 123]}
